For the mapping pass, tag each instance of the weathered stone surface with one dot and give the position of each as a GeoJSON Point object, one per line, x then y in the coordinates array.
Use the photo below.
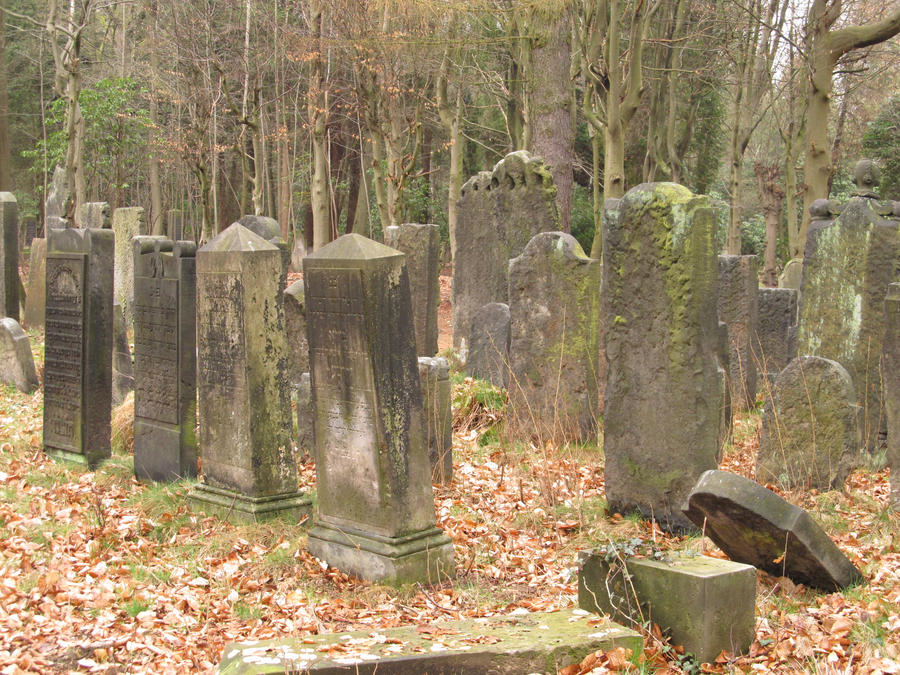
{"type": "Point", "coordinates": [127, 223]}
{"type": "Point", "coordinates": [78, 345]}
{"type": "Point", "coordinates": [30, 230]}
{"type": "Point", "coordinates": [295, 327]}
{"type": "Point", "coordinates": [270, 230]}
{"type": "Point", "coordinates": [375, 513]}
{"type": "Point", "coordinates": [663, 397]}
{"type": "Point", "coordinates": [776, 332]}
{"type": "Point", "coordinates": [753, 525]}
{"type": "Point", "coordinates": [165, 351]}
{"type": "Point", "coordinates": [421, 245]}
{"type": "Point", "coordinates": [175, 229]}
{"type": "Point", "coordinates": [248, 470]}
{"type": "Point", "coordinates": [298, 252]}
{"type": "Point", "coordinates": [9, 256]}
{"type": "Point", "coordinates": [543, 642]}
{"type": "Point", "coordinates": [554, 351]}
{"type": "Point", "coordinates": [792, 274]}
{"type": "Point", "coordinates": [122, 365]}
{"type": "Point", "coordinates": [738, 308]}
{"type": "Point", "coordinates": [891, 365]}
{"type": "Point", "coordinates": [57, 202]}
{"type": "Point", "coordinates": [16, 359]}
{"type": "Point", "coordinates": [35, 298]}
{"type": "Point", "coordinates": [705, 604]}
{"type": "Point", "coordinates": [306, 441]}
{"type": "Point", "coordinates": [488, 357]}
{"type": "Point", "coordinates": [434, 372]}
{"type": "Point", "coordinates": [499, 213]}
{"type": "Point", "coordinates": [93, 215]}
{"type": "Point", "coordinates": [726, 416]}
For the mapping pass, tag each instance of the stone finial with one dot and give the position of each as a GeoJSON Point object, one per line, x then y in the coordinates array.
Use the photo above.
{"type": "Point", "coordinates": [866, 175]}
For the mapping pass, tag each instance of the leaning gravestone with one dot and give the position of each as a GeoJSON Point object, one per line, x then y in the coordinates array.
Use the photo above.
{"type": "Point", "coordinates": [810, 432]}
{"type": "Point", "coordinates": [375, 516]}
{"type": "Point", "coordinates": [57, 202]}
{"type": "Point", "coordinates": [295, 325]}
{"type": "Point", "coordinates": [165, 396]}
{"type": "Point", "coordinates": [891, 364]}
{"type": "Point", "coordinates": [662, 402]}
{"type": "Point", "coordinates": [92, 215]}
{"type": "Point", "coordinates": [499, 213]}
{"type": "Point", "coordinates": [16, 359]}
{"type": "Point", "coordinates": [9, 256]}
{"type": "Point", "coordinates": [249, 472]}
{"type": "Point", "coordinates": [434, 372]}
{"type": "Point", "coordinates": [775, 344]}
{"type": "Point", "coordinates": [122, 365]}
{"type": "Point", "coordinates": [35, 298]}
{"type": "Point", "coordinates": [421, 245]}
{"type": "Point", "coordinates": [127, 223]}
{"type": "Point", "coordinates": [78, 345]}
{"type": "Point", "coordinates": [755, 526]}
{"type": "Point", "coordinates": [792, 274]}
{"type": "Point", "coordinates": [848, 264]}
{"type": "Point", "coordinates": [739, 309]}
{"type": "Point", "coordinates": [554, 350]}
{"type": "Point", "coordinates": [488, 357]}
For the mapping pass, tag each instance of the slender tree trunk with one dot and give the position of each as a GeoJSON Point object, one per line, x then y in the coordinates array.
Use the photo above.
{"type": "Point", "coordinates": [5, 158]}
{"type": "Point", "coordinates": [772, 197]}
{"type": "Point", "coordinates": [157, 226]}
{"type": "Point", "coordinates": [318, 111]}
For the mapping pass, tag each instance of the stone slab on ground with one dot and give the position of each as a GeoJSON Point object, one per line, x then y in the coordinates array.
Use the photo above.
{"type": "Point", "coordinates": [16, 359]}
{"type": "Point", "coordinates": [529, 643]}
{"type": "Point", "coordinates": [754, 525]}
{"type": "Point", "coordinates": [705, 604]}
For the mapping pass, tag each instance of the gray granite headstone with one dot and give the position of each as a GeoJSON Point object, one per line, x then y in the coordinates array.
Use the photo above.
{"type": "Point", "coordinates": [375, 512]}
{"type": "Point", "coordinates": [776, 331]}
{"type": "Point", "coordinates": [755, 526]}
{"type": "Point", "coordinates": [35, 298]}
{"type": "Point", "coordinates": [738, 309]}
{"type": "Point", "coordinates": [295, 325]}
{"type": "Point", "coordinates": [127, 223]}
{"type": "Point", "coordinates": [421, 245]}
{"type": "Point", "coordinates": [93, 215]}
{"type": "Point", "coordinates": [488, 357]}
{"type": "Point", "coordinates": [434, 373]}
{"type": "Point", "coordinates": [165, 353]}
{"type": "Point", "coordinates": [122, 365]}
{"type": "Point", "coordinates": [9, 256]}
{"type": "Point", "coordinates": [891, 365]}
{"type": "Point", "coordinates": [16, 359]}
{"type": "Point", "coordinates": [78, 345]}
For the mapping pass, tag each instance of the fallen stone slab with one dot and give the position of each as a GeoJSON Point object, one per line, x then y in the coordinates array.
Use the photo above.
{"type": "Point", "coordinates": [754, 525]}
{"type": "Point", "coordinates": [528, 643]}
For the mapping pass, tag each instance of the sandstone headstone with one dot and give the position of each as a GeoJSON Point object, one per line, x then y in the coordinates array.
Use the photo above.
{"type": "Point", "coordinates": [554, 350]}
{"type": "Point", "coordinates": [78, 345]}
{"type": "Point", "coordinates": [753, 525]}
{"type": "Point", "coordinates": [30, 230]}
{"type": "Point", "coordinates": [16, 359]}
{"type": "Point", "coordinates": [127, 223]}
{"type": "Point", "coordinates": [35, 298]}
{"type": "Point", "coordinates": [93, 215]}
{"type": "Point", "coordinates": [792, 274]}
{"type": "Point", "coordinates": [175, 229]}
{"type": "Point", "coordinates": [248, 469]}
{"type": "Point", "coordinates": [499, 213]}
{"type": "Point", "coordinates": [739, 309]}
{"type": "Point", "coordinates": [891, 365]}
{"type": "Point", "coordinates": [9, 256]}
{"type": "Point", "coordinates": [421, 245]}
{"type": "Point", "coordinates": [776, 332]}
{"type": "Point", "coordinates": [270, 230]}
{"type": "Point", "coordinates": [434, 372]}
{"type": "Point", "coordinates": [57, 202]}
{"type": "Point", "coordinates": [295, 326]}
{"type": "Point", "coordinates": [306, 441]}
{"type": "Point", "coordinates": [165, 352]}
{"type": "Point", "coordinates": [663, 401]}
{"type": "Point", "coordinates": [488, 357]}
{"type": "Point", "coordinates": [375, 516]}
{"type": "Point", "coordinates": [298, 252]}
{"type": "Point", "coordinates": [122, 365]}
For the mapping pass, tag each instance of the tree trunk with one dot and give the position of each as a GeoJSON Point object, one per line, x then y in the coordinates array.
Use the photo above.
{"type": "Point", "coordinates": [772, 197]}
{"type": "Point", "coordinates": [157, 225]}
{"type": "Point", "coordinates": [5, 158]}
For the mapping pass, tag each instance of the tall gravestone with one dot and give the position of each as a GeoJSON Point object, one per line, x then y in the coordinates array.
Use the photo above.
{"type": "Point", "coordinates": [421, 244]}
{"type": "Point", "coordinates": [662, 405]}
{"type": "Point", "coordinates": [35, 298]}
{"type": "Point", "coordinates": [9, 256]}
{"type": "Point", "coordinates": [295, 325]}
{"type": "Point", "coordinates": [499, 212]}
{"type": "Point", "coordinates": [57, 202]}
{"type": "Point", "coordinates": [270, 230]}
{"type": "Point", "coordinates": [891, 364]}
{"type": "Point", "coordinates": [175, 229]}
{"type": "Point", "coordinates": [434, 373]}
{"type": "Point", "coordinates": [78, 345]}
{"type": "Point", "coordinates": [122, 364]}
{"type": "Point", "coordinates": [93, 215]}
{"type": "Point", "coordinates": [127, 223]}
{"type": "Point", "coordinates": [248, 469]}
{"type": "Point", "coordinates": [375, 516]}
{"type": "Point", "coordinates": [776, 331]}
{"type": "Point", "coordinates": [554, 352]}
{"type": "Point", "coordinates": [848, 264]}
{"type": "Point", "coordinates": [738, 307]}
{"type": "Point", "coordinates": [165, 396]}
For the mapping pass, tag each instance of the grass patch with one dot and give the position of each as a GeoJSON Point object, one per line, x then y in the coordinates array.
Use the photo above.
{"type": "Point", "coordinates": [135, 606]}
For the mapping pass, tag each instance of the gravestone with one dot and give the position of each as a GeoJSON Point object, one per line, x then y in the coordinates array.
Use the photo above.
{"type": "Point", "coordinates": [295, 326]}
{"type": "Point", "coordinates": [16, 359]}
{"type": "Point", "coordinates": [554, 350]}
{"type": "Point", "coordinates": [499, 212]}
{"type": "Point", "coordinates": [93, 215]}
{"type": "Point", "coordinates": [9, 256]}
{"type": "Point", "coordinates": [726, 415]}
{"type": "Point", "coordinates": [848, 264]}
{"type": "Point", "coordinates": [123, 368]}
{"type": "Point", "coordinates": [248, 470]}
{"type": "Point", "coordinates": [127, 223]}
{"type": "Point", "coordinates": [662, 400]}
{"type": "Point", "coordinates": [35, 298]}
{"type": "Point", "coordinates": [792, 274]}
{"type": "Point", "coordinates": [421, 245]}
{"type": "Point", "coordinates": [57, 202]}
{"type": "Point", "coordinates": [306, 441]}
{"type": "Point", "coordinates": [810, 432]}
{"type": "Point", "coordinates": [434, 372]}
{"type": "Point", "coordinates": [30, 230]}
{"type": "Point", "coordinates": [175, 229]}
{"type": "Point", "coordinates": [165, 396]}
{"type": "Point", "coordinates": [270, 230]}
{"type": "Point", "coordinates": [78, 345]}
{"type": "Point", "coordinates": [776, 332]}
{"type": "Point", "coordinates": [739, 309]}
{"type": "Point", "coordinates": [755, 526]}
{"type": "Point", "coordinates": [891, 365]}
{"type": "Point", "coordinates": [298, 252]}
{"type": "Point", "coordinates": [375, 516]}
{"type": "Point", "coordinates": [488, 357]}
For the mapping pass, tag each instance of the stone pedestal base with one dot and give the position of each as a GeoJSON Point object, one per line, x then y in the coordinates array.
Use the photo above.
{"type": "Point", "coordinates": [235, 507]}
{"type": "Point", "coordinates": [423, 557]}
{"type": "Point", "coordinates": [91, 460]}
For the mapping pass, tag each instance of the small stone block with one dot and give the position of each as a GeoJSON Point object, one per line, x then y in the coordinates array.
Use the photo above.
{"type": "Point", "coordinates": [704, 604]}
{"type": "Point", "coordinates": [239, 508]}
{"type": "Point", "coordinates": [542, 642]}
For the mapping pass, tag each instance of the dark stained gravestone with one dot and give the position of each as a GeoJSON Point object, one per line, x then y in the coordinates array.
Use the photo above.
{"type": "Point", "coordinates": [306, 441]}
{"type": "Point", "coordinates": [738, 308]}
{"type": "Point", "coordinates": [175, 229]}
{"type": "Point", "coordinates": [93, 215]}
{"type": "Point", "coordinates": [30, 230]}
{"type": "Point", "coordinates": [554, 350]}
{"type": "Point", "coordinates": [78, 345]}
{"type": "Point", "coordinates": [295, 327]}
{"type": "Point", "coordinates": [891, 365]}
{"type": "Point", "coordinates": [421, 244]}
{"type": "Point", "coordinates": [663, 397]}
{"type": "Point", "coordinates": [122, 364]}
{"type": "Point", "coordinates": [35, 298]}
{"type": "Point", "coordinates": [9, 256]}
{"type": "Point", "coordinates": [16, 359]}
{"type": "Point", "coordinates": [776, 332]}
{"type": "Point", "coordinates": [248, 470]}
{"type": "Point", "coordinates": [375, 516]}
{"type": "Point", "coordinates": [755, 526]}
{"type": "Point", "coordinates": [127, 223]}
{"type": "Point", "coordinates": [434, 373]}
{"type": "Point", "coordinates": [488, 357]}
{"type": "Point", "coordinates": [165, 397]}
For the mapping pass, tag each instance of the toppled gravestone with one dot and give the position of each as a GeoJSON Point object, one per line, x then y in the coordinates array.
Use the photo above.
{"type": "Point", "coordinates": [488, 357]}
{"type": "Point", "coordinates": [810, 432]}
{"type": "Point", "coordinates": [891, 364]}
{"type": "Point", "coordinates": [16, 359]}
{"type": "Point", "coordinates": [776, 332]}
{"type": "Point", "coordinates": [753, 525]}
